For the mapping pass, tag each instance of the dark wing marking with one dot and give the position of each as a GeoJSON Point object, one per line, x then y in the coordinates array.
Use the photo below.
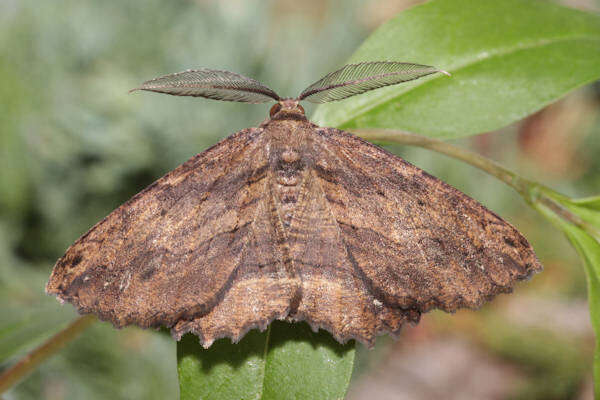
{"type": "Point", "coordinates": [212, 84]}
{"type": "Point", "coordinates": [355, 79]}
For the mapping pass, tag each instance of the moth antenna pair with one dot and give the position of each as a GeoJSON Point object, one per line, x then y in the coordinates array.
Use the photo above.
{"type": "Point", "coordinates": [350, 80]}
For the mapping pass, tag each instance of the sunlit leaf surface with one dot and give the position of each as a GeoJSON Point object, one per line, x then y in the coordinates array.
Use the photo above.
{"type": "Point", "coordinates": [288, 361]}
{"type": "Point", "coordinates": [507, 58]}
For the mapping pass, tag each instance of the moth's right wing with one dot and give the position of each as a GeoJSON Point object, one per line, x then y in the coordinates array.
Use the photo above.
{"type": "Point", "coordinates": [416, 242]}
{"type": "Point", "coordinates": [173, 252]}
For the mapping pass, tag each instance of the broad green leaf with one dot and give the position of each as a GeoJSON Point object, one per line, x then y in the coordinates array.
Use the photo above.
{"type": "Point", "coordinates": [508, 59]}
{"type": "Point", "coordinates": [287, 361]}
{"type": "Point", "coordinates": [588, 248]}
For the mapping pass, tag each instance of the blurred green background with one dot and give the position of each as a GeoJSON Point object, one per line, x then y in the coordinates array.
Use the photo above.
{"type": "Point", "coordinates": [74, 145]}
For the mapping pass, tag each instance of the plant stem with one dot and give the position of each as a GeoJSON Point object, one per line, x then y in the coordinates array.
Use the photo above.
{"type": "Point", "coordinates": [15, 373]}
{"type": "Point", "coordinates": [532, 192]}
{"type": "Point", "coordinates": [491, 167]}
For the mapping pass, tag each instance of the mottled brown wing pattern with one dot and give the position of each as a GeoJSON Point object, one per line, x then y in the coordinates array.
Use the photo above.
{"type": "Point", "coordinates": [262, 287]}
{"type": "Point", "coordinates": [172, 252]}
{"type": "Point", "coordinates": [290, 220]}
{"type": "Point", "coordinates": [334, 295]}
{"type": "Point", "coordinates": [411, 241]}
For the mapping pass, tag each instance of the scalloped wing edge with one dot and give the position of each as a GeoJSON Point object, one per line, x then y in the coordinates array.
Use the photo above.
{"type": "Point", "coordinates": [263, 323]}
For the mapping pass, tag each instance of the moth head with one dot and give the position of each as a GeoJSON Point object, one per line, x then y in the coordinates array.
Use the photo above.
{"type": "Point", "coordinates": [287, 107]}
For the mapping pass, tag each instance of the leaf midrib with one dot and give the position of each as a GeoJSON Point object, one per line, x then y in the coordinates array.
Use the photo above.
{"type": "Point", "coordinates": [473, 60]}
{"type": "Point", "coordinates": [264, 368]}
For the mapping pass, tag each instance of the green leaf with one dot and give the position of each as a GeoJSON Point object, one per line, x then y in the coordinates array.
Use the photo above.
{"type": "Point", "coordinates": [508, 59]}
{"type": "Point", "coordinates": [287, 361]}
{"type": "Point", "coordinates": [588, 209]}
{"type": "Point", "coordinates": [588, 248]}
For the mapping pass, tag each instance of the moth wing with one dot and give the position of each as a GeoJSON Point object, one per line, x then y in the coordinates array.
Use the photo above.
{"type": "Point", "coordinates": [173, 251]}
{"type": "Point", "coordinates": [416, 242]}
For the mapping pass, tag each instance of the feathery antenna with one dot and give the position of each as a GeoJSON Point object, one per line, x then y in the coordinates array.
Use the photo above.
{"type": "Point", "coordinates": [355, 79]}
{"type": "Point", "coordinates": [212, 84]}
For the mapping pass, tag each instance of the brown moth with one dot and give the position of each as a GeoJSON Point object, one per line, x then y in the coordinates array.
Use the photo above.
{"type": "Point", "coordinates": [292, 221]}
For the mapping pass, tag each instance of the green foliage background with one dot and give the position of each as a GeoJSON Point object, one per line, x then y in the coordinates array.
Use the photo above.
{"type": "Point", "coordinates": [74, 145]}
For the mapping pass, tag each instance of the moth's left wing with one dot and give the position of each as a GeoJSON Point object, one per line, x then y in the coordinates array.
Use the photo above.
{"type": "Point", "coordinates": [189, 247]}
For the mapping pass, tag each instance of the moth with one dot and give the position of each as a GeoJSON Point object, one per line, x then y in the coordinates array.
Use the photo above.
{"type": "Point", "coordinates": [289, 220]}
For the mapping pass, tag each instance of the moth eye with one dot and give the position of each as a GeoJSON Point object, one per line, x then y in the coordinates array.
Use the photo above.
{"type": "Point", "coordinates": [275, 109]}
{"type": "Point", "coordinates": [301, 109]}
